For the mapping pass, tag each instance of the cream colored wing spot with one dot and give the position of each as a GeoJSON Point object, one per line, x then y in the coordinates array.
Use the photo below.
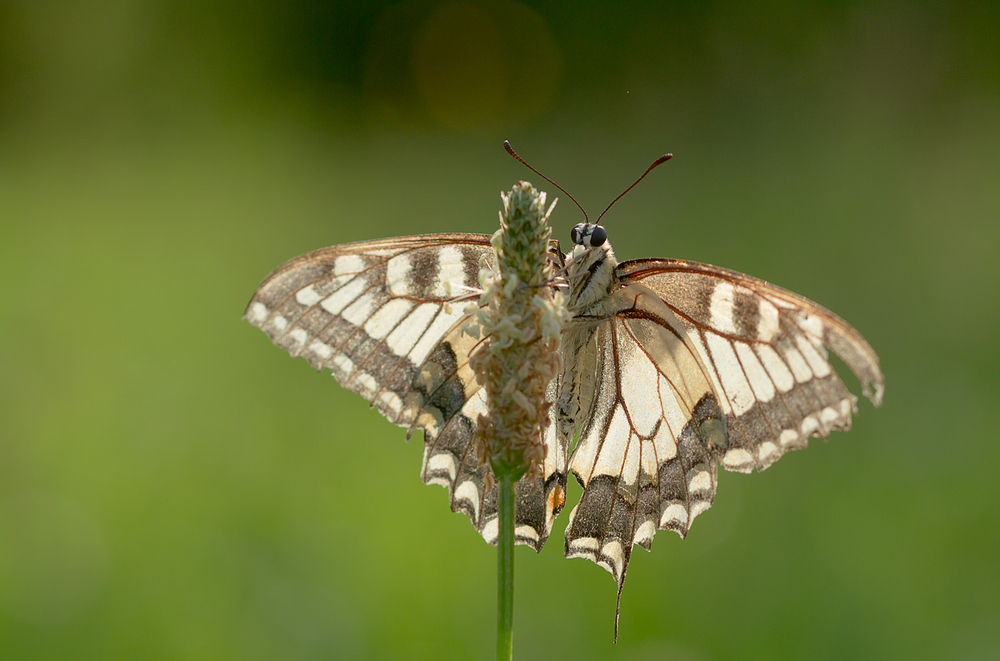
{"type": "Point", "coordinates": [675, 416]}
{"type": "Point", "coordinates": [798, 365]}
{"type": "Point", "coordinates": [308, 296]}
{"type": "Point", "coordinates": [628, 471]}
{"type": "Point", "coordinates": [781, 376]}
{"type": "Point", "coordinates": [366, 384]}
{"type": "Point", "coordinates": [340, 299]}
{"type": "Point", "coordinates": [526, 532]}
{"type": "Point", "coordinates": [665, 443]}
{"type": "Point", "coordinates": [768, 325]}
{"type": "Point", "coordinates": [817, 363]}
{"type": "Point", "coordinates": [344, 364]}
{"type": "Point", "coordinates": [734, 382]}
{"type": "Point", "coordinates": [811, 324]}
{"type": "Point", "coordinates": [321, 349]}
{"type": "Point", "coordinates": [701, 481]}
{"type": "Point", "coordinates": [612, 557]}
{"type": "Point", "coordinates": [738, 459]}
{"type": "Point", "coordinates": [358, 312]}
{"type": "Point", "coordinates": [387, 318]}
{"type": "Point", "coordinates": [258, 312]}
{"type": "Point", "coordinates": [761, 383]}
{"type": "Point", "coordinates": [648, 457]}
{"type": "Point", "coordinates": [443, 461]}
{"type": "Point", "coordinates": [674, 515]}
{"type": "Point", "coordinates": [451, 263]}
{"type": "Point", "coordinates": [768, 452]}
{"type": "Point", "coordinates": [468, 491]}
{"type": "Point", "coordinates": [404, 337]}
{"type": "Point", "coordinates": [639, 396]}
{"type": "Point", "coordinates": [696, 509]}
{"type": "Point", "coordinates": [788, 438]}
{"type": "Point", "coordinates": [491, 531]}
{"type": "Point", "coordinates": [721, 307]}
{"type": "Point", "coordinates": [586, 461]}
{"type": "Point", "coordinates": [584, 546]}
{"type": "Point", "coordinates": [348, 264]}
{"type": "Point", "coordinates": [399, 275]}
{"type": "Point", "coordinates": [390, 401]}
{"type": "Point", "coordinates": [644, 535]}
{"type": "Point", "coordinates": [441, 324]}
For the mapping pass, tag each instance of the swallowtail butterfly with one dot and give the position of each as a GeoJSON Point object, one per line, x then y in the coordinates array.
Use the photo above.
{"type": "Point", "coordinates": [670, 368]}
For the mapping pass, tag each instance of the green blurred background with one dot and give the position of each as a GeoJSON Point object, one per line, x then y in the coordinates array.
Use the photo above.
{"type": "Point", "coordinates": [174, 487]}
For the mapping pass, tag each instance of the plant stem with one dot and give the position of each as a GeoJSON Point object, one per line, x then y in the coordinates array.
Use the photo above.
{"type": "Point", "coordinates": [505, 566]}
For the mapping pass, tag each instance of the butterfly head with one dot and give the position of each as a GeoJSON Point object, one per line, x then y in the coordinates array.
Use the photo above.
{"type": "Point", "coordinates": [590, 244]}
{"type": "Point", "coordinates": [589, 235]}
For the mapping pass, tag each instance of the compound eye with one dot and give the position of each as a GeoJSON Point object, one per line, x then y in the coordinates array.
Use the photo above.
{"type": "Point", "coordinates": [598, 236]}
{"type": "Point", "coordinates": [574, 234]}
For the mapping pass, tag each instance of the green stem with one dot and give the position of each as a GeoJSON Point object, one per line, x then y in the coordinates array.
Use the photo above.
{"type": "Point", "coordinates": [505, 567]}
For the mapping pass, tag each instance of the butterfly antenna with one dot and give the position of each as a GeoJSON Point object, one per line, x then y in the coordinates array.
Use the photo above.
{"type": "Point", "coordinates": [659, 161]}
{"type": "Point", "coordinates": [510, 150]}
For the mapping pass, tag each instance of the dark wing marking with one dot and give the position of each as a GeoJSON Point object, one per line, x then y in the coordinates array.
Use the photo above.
{"type": "Point", "coordinates": [766, 349]}
{"type": "Point", "coordinates": [376, 314]}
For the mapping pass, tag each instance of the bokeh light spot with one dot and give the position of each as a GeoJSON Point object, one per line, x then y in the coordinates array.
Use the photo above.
{"type": "Point", "coordinates": [482, 68]}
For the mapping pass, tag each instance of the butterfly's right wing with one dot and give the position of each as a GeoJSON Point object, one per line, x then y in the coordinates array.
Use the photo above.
{"type": "Point", "coordinates": [767, 352]}
{"type": "Point", "coordinates": [376, 314]}
{"type": "Point", "coordinates": [645, 452]}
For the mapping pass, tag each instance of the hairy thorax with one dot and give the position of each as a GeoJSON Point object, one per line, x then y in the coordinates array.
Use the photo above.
{"type": "Point", "coordinates": [591, 276]}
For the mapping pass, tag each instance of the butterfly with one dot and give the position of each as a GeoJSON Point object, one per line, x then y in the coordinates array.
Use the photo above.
{"type": "Point", "coordinates": [670, 368]}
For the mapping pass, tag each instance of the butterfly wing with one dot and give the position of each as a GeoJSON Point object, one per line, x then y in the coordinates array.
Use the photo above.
{"type": "Point", "coordinates": [645, 452]}
{"type": "Point", "coordinates": [377, 315]}
{"type": "Point", "coordinates": [700, 365]}
{"type": "Point", "coordinates": [767, 353]}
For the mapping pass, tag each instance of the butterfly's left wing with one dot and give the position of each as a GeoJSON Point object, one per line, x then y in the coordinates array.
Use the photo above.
{"type": "Point", "coordinates": [372, 312]}
{"type": "Point", "coordinates": [377, 315]}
